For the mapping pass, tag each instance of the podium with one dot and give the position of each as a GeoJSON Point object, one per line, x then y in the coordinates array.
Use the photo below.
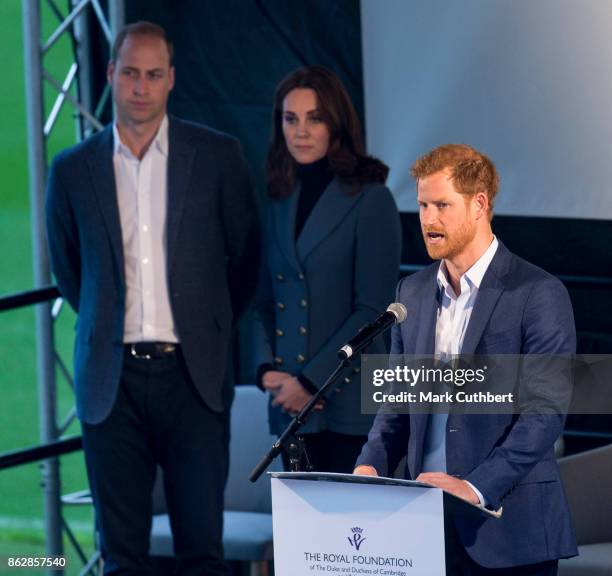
{"type": "Point", "coordinates": [346, 524]}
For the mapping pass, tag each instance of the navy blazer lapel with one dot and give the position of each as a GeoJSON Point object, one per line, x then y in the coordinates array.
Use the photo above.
{"type": "Point", "coordinates": [425, 322]}
{"type": "Point", "coordinates": [180, 161]}
{"type": "Point", "coordinates": [103, 178]}
{"type": "Point", "coordinates": [489, 292]}
{"type": "Point", "coordinates": [425, 344]}
{"type": "Point", "coordinates": [328, 212]}
{"type": "Point", "coordinates": [285, 211]}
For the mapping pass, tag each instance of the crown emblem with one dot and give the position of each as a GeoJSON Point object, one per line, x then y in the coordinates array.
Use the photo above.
{"type": "Point", "coordinates": [357, 530]}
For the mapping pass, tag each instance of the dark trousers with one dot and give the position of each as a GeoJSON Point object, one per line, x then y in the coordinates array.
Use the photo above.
{"type": "Point", "coordinates": [459, 562]}
{"type": "Point", "coordinates": [158, 418]}
{"type": "Point", "coordinates": [330, 452]}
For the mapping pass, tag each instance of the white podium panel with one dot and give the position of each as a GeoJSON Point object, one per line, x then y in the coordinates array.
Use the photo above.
{"type": "Point", "coordinates": [344, 527]}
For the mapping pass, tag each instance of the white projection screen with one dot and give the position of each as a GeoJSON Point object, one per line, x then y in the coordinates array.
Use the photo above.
{"type": "Point", "coordinates": [528, 82]}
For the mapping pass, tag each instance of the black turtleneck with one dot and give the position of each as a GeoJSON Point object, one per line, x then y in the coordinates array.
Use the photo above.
{"type": "Point", "coordinates": [314, 177]}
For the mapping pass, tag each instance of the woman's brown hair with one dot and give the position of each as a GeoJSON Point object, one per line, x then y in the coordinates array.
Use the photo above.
{"type": "Point", "coordinates": [346, 152]}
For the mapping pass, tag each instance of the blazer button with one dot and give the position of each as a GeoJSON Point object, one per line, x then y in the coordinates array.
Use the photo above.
{"type": "Point", "coordinates": [300, 358]}
{"type": "Point", "coordinates": [347, 380]}
{"type": "Point", "coordinates": [280, 305]}
{"type": "Point", "coordinates": [356, 370]}
{"type": "Point", "coordinates": [303, 303]}
{"type": "Point", "coordinates": [278, 360]}
{"type": "Point", "coordinates": [301, 276]}
{"type": "Point", "coordinates": [302, 331]}
{"type": "Point", "coordinates": [279, 332]}
{"type": "Point", "coordinates": [280, 277]}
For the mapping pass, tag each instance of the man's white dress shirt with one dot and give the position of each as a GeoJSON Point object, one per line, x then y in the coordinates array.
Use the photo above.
{"type": "Point", "coordinates": [454, 312]}
{"type": "Point", "coordinates": [142, 197]}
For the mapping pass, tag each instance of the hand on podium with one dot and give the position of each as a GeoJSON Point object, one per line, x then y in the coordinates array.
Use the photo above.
{"type": "Point", "coordinates": [455, 486]}
{"type": "Point", "coordinates": [365, 470]}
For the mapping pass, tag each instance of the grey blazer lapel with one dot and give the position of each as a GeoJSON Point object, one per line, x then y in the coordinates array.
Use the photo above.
{"type": "Point", "coordinates": [489, 292]}
{"type": "Point", "coordinates": [285, 211]}
{"type": "Point", "coordinates": [180, 162]}
{"type": "Point", "coordinates": [103, 178]}
{"type": "Point", "coordinates": [329, 211]}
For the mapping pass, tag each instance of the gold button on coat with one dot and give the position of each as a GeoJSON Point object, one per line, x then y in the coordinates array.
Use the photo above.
{"type": "Point", "coordinates": [303, 303]}
{"type": "Point", "coordinates": [279, 332]}
{"type": "Point", "coordinates": [280, 305]}
{"type": "Point", "coordinates": [278, 360]}
{"type": "Point", "coordinates": [300, 359]}
{"type": "Point", "coordinates": [302, 331]}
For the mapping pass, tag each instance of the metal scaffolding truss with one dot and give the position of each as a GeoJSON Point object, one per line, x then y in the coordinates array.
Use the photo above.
{"type": "Point", "coordinates": [87, 114]}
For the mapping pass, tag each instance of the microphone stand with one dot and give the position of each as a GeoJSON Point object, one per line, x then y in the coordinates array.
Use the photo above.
{"type": "Point", "coordinates": [288, 441]}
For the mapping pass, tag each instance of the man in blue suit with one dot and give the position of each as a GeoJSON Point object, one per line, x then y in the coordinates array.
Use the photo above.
{"type": "Point", "coordinates": [154, 239]}
{"type": "Point", "coordinates": [481, 299]}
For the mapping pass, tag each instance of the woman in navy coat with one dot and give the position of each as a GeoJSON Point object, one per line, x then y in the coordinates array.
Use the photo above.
{"type": "Point", "coordinates": [331, 262]}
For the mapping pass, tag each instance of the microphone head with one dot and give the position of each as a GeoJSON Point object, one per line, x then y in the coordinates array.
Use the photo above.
{"type": "Point", "coordinates": [399, 311]}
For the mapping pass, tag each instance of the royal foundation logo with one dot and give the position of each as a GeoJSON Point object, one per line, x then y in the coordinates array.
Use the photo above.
{"type": "Point", "coordinates": [357, 538]}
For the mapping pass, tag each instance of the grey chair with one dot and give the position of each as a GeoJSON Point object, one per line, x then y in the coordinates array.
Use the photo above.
{"type": "Point", "coordinates": [587, 478]}
{"type": "Point", "coordinates": [247, 532]}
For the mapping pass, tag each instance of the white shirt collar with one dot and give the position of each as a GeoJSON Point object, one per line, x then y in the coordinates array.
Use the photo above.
{"type": "Point", "coordinates": [160, 142]}
{"type": "Point", "coordinates": [473, 277]}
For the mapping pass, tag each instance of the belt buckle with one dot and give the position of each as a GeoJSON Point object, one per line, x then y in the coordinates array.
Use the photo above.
{"type": "Point", "coordinates": [136, 355]}
{"type": "Point", "coordinates": [168, 348]}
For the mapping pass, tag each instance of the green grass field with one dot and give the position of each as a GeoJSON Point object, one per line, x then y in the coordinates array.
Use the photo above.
{"type": "Point", "coordinates": [21, 499]}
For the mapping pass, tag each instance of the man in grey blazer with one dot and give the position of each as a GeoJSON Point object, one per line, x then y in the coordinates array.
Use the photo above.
{"type": "Point", "coordinates": [154, 239]}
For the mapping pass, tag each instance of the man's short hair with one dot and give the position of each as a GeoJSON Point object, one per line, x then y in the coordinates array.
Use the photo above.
{"type": "Point", "coordinates": [142, 28]}
{"type": "Point", "coordinates": [470, 171]}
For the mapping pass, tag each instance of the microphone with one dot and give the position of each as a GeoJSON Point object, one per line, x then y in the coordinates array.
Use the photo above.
{"type": "Point", "coordinates": [395, 314]}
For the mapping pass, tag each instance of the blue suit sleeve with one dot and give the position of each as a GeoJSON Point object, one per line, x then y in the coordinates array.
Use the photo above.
{"type": "Point", "coordinates": [63, 239]}
{"type": "Point", "coordinates": [548, 331]}
{"type": "Point", "coordinates": [241, 220]}
{"type": "Point", "coordinates": [263, 317]}
{"type": "Point", "coordinates": [388, 438]}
